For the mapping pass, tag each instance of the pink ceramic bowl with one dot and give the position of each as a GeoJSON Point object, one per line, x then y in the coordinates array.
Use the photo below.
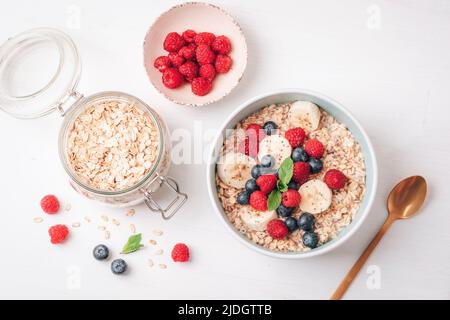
{"type": "Point", "coordinates": [201, 17]}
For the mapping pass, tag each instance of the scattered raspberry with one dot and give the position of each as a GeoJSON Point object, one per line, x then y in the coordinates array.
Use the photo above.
{"type": "Point", "coordinates": [204, 54]}
{"type": "Point", "coordinates": [50, 204]}
{"type": "Point", "coordinates": [187, 52]}
{"type": "Point", "coordinates": [204, 38]}
{"type": "Point", "coordinates": [267, 182]}
{"type": "Point", "coordinates": [258, 200]}
{"type": "Point", "coordinates": [173, 42]}
{"type": "Point", "coordinates": [58, 233]}
{"type": "Point", "coordinates": [290, 198]}
{"type": "Point", "coordinates": [207, 71]}
{"type": "Point", "coordinates": [277, 229]}
{"type": "Point", "coordinates": [335, 179]}
{"type": "Point", "coordinates": [295, 136]}
{"type": "Point", "coordinates": [172, 78]}
{"type": "Point", "coordinates": [189, 70]}
{"type": "Point", "coordinates": [223, 63]}
{"type": "Point", "coordinates": [176, 60]}
{"type": "Point", "coordinates": [254, 129]}
{"type": "Point", "coordinates": [189, 36]}
{"type": "Point", "coordinates": [201, 86]}
{"type": "Point", "coordinates": [314, 148]}
{"type": "Point", "coordinates": [221, 45]}
{"type": "Point", "coordinates": [301, 172]}
{"type": "Point", "coordinates": [180, 253]}
{"type": "Point", "coordinates": [162, 63]}
{"type": "Point", "coordinates": [249, 146]}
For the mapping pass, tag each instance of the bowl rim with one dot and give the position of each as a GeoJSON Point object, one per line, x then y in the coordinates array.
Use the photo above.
{"type": "Point", "coordinates": [211, 184]}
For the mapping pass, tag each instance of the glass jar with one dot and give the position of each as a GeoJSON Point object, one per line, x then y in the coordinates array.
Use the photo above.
{"type": "Point", "coordinates": [26, 92]}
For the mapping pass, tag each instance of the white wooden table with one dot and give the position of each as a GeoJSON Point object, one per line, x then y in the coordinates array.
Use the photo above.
{"type": "Point", "coordinates": [388, 61]}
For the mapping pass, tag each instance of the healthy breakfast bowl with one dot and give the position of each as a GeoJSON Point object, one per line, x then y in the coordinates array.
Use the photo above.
{"type": "Point", "coordinates": [292, 174]}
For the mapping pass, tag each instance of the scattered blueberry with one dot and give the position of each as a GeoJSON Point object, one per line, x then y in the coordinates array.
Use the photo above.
{"type": "Point", "coordinates": [270, 127]}
{"type": "Point", "coordinates": [101, 252]}
{"type": "Point", "coordinates": [256, 171]}
{"type": "Point", "coordinates": [315, 165]}
{"type": "Point", "coordinates": [243, 198]}
{"type": "Point", "coordinates": [267, 161]}
{"type": "Point", "coordinates": [310, 239]}
{"type": "Point", "coordinates": [251, 186]}
{"type": "Point", "coordinates": [118, 266]}
{"type": "Point", "coordinates": [299, 155]}
{"type": "Point", "coordinates": [291, 224]}
{"type": "Point", "coordinates": [306, 222]}
{"type": "Point", "coordinates": [293, 185]}
{"type": "Point", "coordinates": [284, 211]}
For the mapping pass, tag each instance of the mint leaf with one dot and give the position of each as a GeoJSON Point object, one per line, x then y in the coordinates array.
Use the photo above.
{"type": "Point", "coordinates": [282, 187]}
{"type": "Point", "coordinates": [286, 170]}
{"type": "Point", "coordinates": [274, 200]}
{"type": "Point", "coordinates": [133, 244]}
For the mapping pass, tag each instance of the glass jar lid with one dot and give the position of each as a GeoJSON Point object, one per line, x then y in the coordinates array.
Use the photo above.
{"type": "Point", "coordinates": [39, 71]}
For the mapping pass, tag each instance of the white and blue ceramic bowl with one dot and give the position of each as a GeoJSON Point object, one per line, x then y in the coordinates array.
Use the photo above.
{"type": "Point", "coordinates": [342, 115]}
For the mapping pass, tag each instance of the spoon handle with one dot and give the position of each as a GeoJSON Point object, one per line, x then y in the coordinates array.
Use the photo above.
{"type": "Point", "coordinates": [346, 282]}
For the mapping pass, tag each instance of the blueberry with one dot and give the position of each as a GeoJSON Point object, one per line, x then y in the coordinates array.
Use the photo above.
{"type": "Point", "coordinates": [315, 165]}
{"type": "Point", "coordinates": [243, 198]}
{"type": "Point", "coordinates": [306, 222]}
{"type": "Point", "coordinates": [118, 266]}
{"type": "Point", "coordinates": [251, 186]}
{"type": "Point", "coordinates": [310, 239]}
{"type": "Point", "coordinates": [291, 224]}
{"type": "Point", "coordinates": [256, 171]}
{"type": "Point", "coordinates": [293, 185]}
{"type": "Point", "coordinates": [267, 161]}
{"type": "Point", "coordinates": [270, 127]}
{"type": "Point", "coordinates": [284, 211]}
{"type": "Point", "coordinates": [101, 252]}
{"type": "Point", "coordinates": [299, 154]}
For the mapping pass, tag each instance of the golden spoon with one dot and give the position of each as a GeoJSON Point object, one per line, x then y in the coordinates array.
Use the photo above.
{"type": "Point", "coordinates": [403, 202]}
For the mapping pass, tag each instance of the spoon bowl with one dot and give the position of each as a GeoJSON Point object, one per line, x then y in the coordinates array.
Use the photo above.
{"type": "Point", "coordinates": [407, 197]}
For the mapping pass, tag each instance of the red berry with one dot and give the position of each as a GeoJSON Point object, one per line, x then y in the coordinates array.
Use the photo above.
{"type": "Point", "coordinates": [201, 86]}
{"type": "Point", "coordinates": [301, 172]}
{"type": "Point", "coordinates": [221, 45]}
{"type": "Point", "coordinates": [290, 198]}
{"type": "Point", "coordinates": [223, 63]}
{"type": "Point", "coordinates": [249, 146]}
{"type": "Point", "coordinates": [176, 60]}
{"type": "Point", "coordinates": [267, 182]}
{"type": "Point", "coordinates": [162, 63]}
{"type": "Point", "coordinates": [314, 148]}
{"type": "Point", "coordinates": [180, 253]}
{"type": "Point", "coordinates": [207, 71]}
{"type": "Point", "coordinates": [258, 200]}
{"type": "Point", "coordinates": [204, 54]}
{"type": "Point", "coordinates": [173, 42]}
{"type": "Point", "coordinates": [255, 130]}
{"type": "Point", "coordinates": [277, 229]}
{"type": "Point", "coordinates": [204, 38]}
{"type": "Point", "coordinates": [335, 179]}
{"type": "Point", "coordinates": [189, 70]}
{"type": "Point", "coordinates": [189, 35]}
{"type": "Point", "coordinates": [295, 136]}
{"type": "Point", "coordinates": [58, 233]}
{"type": "Point", "coordinates": [50, 204]}
{"type": "Point", "coordinates": [187, 52]}
{"type": "Point", "coordinates": [172, 78]}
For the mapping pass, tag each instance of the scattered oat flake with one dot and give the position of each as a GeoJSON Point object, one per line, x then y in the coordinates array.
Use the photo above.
{"type": "Point", "coordinates": [88, 220]}
{"type": "Point", "coordinates": [101, 228]}
{"type": "Point", "coordinates": [151, 241]}
{"type": "Point", "coordinates": [132, 228]}
{"type": "Point", "coordinates": [76, 224]}
{"type": "Point", "coordinates": [162, 266]}
{"type": "Point", "coordinates": [158, 232]}
{"type": "Point", "coordinates": [104, 218]}
{"type": "Point", "coordinates": [159, 252]}
{"type": "Point", "coordinates": [67, 207]}
{"type": "Point", "coordinates": [107, 235]}
{"type": "Point", "coordinates": [150, 263]}
{"type": "Point", "coordinates": [38, 219]}
{"type": "Point", "coordinates": [131, 212]}
{"type": "Point", "coordinates": [114, 221]}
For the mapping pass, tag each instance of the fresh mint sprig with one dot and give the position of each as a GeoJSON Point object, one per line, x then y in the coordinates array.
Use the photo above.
{"type": "Point", "coordinates": [285, 173]}
{"type": "Point", "coordinates": [133, 244]}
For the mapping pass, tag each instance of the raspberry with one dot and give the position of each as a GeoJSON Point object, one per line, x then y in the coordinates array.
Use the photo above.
{"type": "Point", "coordinates": [180, 253]}
{"type": "Point", "coordinates": [258, 200]}
{"type": "Point", "coordinates": [221, 45]}
{"type": "Point", "coordinates": [267, 182]}
{"type": "Point", "coordinates": [204, 54]}
{"type": "Point", "coordinates": [189, 70]}
{"type": "Point", "coordinates": [176, 60]}
{"type": "Point", "coordinates": [173, 42]}
{"type": "Point", "coordinates": [207, 71]}
{"type": "Point", "coordinates": [223, 63]}
{"type": "Point", "coordinates": [187, 52]}
{"type": "Point", "coordinates": [290, 198]}
{"type": "Point", "coordinates": [301, 172]}
{"type": "Point", "coordinates": [335, 179]}
{"type": "Point", "coordinates": [58, 233]}
{"type": "Point", "coordinates": [189, 35]}
{"type": "Point", "coordinates": [249, 146]}
{"type": "Point", "coordinates": [314, 148]}
{"type": "Point", "coordinates": [295, 136]}
{"type": "Point", "coordinates": [206, 38]}
{"type": "Point", "coordinates": [50, 204]}
{"type": "Point", "coordinates": [201, 86]}
{"type": "Point", "coordinates": [162, 63]}
{"type": "Point", "coordinates": [277, 229]}
{"type": "Point", "coordinates": [254, 129]}
{"type": "Point", "coordinates": [172, 78]}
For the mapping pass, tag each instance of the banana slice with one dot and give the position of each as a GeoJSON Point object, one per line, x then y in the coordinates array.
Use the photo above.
{"type": "Point", "coordinates": [234, 169]}
{"type": "Point", "coordinates": [256, 220]}
{"type": "Point", "coordinates": [304, 114]}
{"type": "Point", "coordinates": [277, 146]}
{"type": "Point", "coordinates": [316, 196]}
